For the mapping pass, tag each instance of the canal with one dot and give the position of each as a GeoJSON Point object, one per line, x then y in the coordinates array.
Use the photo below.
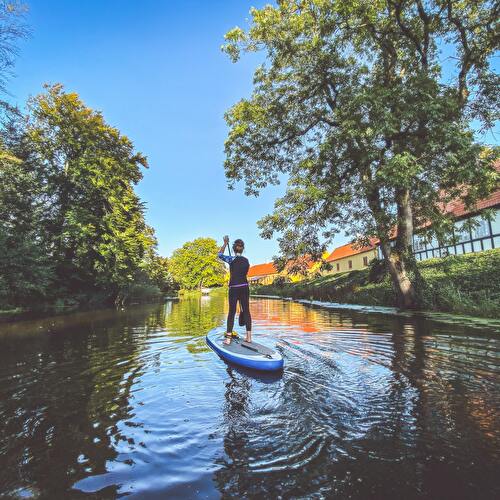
{"type": "Point", "coordinates": [111, 403]}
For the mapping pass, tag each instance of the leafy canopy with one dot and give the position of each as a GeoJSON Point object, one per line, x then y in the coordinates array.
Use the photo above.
{"type": "Point", "coordinates": [353, 106]}
{"type": "Point", "coordinates": [196, 264]}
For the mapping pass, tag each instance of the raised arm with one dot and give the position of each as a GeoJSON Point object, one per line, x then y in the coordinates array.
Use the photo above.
{"type": "Point", "coordinates": [226, 258]}
{"type": "Point", "coordinates": [222, 249]}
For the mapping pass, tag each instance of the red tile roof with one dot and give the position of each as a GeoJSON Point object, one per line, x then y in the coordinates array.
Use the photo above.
{"type": "Point", "coordinates": [457, 208]}
{"type": "Point", "coordinates": [262, 270]}
{"type": "Point", "coordinates": [348, 250]}
{"type": "Point", "coordinates": [303, 261]}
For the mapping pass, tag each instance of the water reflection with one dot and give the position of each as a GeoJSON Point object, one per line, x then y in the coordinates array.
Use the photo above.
{"type": "Point", "coordinates": [133, 402]}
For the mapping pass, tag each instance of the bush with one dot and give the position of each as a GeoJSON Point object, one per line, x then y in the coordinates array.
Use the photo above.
{"type": "Point", "coordinates": [281, 281]}
{"type": "Point", "coordinates": [377, 271]}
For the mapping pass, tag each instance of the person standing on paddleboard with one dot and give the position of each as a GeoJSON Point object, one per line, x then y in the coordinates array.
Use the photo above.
{"type": "Point", "coordinates": [238, 288]}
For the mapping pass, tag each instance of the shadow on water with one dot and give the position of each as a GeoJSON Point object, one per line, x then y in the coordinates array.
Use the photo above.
{"type": "Point", "coordinates": [113, 403]}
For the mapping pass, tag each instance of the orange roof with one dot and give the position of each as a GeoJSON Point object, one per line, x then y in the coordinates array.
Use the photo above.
{"type": "Point", "coordinates": [348, 250]}
{"type": "Point", "coordinates": [262, 270]}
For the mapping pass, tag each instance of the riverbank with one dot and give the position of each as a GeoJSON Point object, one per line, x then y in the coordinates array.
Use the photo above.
{"type": "Point", "coordinates": [463, 284]}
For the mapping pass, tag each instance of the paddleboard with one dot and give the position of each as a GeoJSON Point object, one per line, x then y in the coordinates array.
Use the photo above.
{"type": "Point", "coordinates": [250, 355]}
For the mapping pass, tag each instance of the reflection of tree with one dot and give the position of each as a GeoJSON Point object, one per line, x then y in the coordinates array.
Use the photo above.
{"type": "Point", "coordinates": [193, 318]}
{"type": "Point", "coordinates": [64, 394]}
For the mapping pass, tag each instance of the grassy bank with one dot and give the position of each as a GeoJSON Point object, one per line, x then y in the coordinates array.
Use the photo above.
{"type": "Point", "coordinates": [463, 284]}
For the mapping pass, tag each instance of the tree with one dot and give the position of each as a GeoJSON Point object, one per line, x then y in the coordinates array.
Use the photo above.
{"type": "Point", "coordinates": [196, 264]}
{"type": "Point", "coordinates": [354, 107]}
{"type": "Point", "coordinates": [12, 28]}
{"type": "Point", "coordinates": [87, 171]}
{"type": "Point", "coordinates": [158, 269]}
{"type": "Point", "coordinates": [25, 270]}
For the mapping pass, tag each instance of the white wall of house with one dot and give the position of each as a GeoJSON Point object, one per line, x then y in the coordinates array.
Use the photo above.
{"type": "Point", "coordinates": [485, 236]}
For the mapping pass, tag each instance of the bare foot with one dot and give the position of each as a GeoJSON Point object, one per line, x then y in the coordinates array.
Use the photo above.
{"type": "Point", "coordinates": [248, 337]}
{"type": "Point", "coordinates": [228, 339]}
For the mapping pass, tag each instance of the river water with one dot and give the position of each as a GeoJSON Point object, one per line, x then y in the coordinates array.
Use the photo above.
{"type": "Point", "coordinates": [132, 403]}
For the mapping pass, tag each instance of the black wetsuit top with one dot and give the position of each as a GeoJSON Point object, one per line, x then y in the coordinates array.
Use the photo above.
{"type": "Point", "coordinates": [238, 271]}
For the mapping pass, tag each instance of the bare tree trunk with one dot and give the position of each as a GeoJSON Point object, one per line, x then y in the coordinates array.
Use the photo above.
{"type": "Point", "coordinates": [401, 256]}
{"type": "Point", "coordinates": [407, 296]}
{"type": "Point", "coordinates": [395, 257]}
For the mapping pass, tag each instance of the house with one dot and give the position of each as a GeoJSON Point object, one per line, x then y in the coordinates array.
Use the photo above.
{"type": "Point", "coordinates": [485, 236]}
{"type": "Point", "coordinates": [262, 274]}
{"type": "Point", "coordinates": [351, 257]}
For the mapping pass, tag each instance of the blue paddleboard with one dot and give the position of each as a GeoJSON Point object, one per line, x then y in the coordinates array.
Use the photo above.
{"type": "Point", "coordinates": [250, 355]}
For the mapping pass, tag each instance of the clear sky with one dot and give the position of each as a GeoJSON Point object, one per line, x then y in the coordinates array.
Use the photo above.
{"type": "Point", "coordinates": [155, 70]}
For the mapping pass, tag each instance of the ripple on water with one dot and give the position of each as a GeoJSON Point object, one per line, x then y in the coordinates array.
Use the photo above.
{"type": "Point", "coordinates": [135, 403]}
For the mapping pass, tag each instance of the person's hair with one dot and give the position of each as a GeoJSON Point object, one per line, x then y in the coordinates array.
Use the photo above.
{"type": "Point", "coordinates": [238, 243]}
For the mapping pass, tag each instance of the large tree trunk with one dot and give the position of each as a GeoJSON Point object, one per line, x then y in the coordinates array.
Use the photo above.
{"type": "Point", "coordinates": [400, 258]}
{"type": "Point", "coordinates": [407, 296]}
{"type": "Point", "coordinates": [395, 257]}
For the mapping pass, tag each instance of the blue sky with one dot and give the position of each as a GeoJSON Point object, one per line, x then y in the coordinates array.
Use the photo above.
{"type": "Point", "coordinates": [155, 70]}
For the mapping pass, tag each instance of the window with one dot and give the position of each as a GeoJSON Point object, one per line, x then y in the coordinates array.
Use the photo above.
{"type": "Point", "coordinates": [365, 261]}
{"type": "Point", "coordinates": [461, 233]}
{"type": "Point", "coordinates": [487, 244]}
{"type": "Point", "coordinates": [495, 223]}
{"type": "Point", "coordinates": [418, 243]}
{"type": "Point", "coordinates": [350, 264]}
{"type": "Point", "coordinates": [338, 266]}
{"type": "Point", "coordinates": [482, 229]}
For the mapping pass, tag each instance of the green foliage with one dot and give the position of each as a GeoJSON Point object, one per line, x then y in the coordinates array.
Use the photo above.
{"type": "Point", "coordinates": [159, 272]}
{"type": "Point", "coordinates": [73, 229]}
{"type": "Point", "coordinates": [12, 29]}
{"type": "Point", "coordinates": [196, 264]}
{"type": "Point", "coordinates": [25, 270]}
{"type": "Point", "coordinates": [281, 281]}
{"type": "Point", "coordinates": [88, 169]}
{"type": "Point", "coordinates": [352, 106]}
{"type": "Point", "coordinates": [377, 271]}
{"type": "Point", "coordinates": [468, 284]}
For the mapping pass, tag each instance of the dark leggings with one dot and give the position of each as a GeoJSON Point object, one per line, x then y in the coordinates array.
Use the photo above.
{"type": "Point", "coordinates": [241, 294]}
